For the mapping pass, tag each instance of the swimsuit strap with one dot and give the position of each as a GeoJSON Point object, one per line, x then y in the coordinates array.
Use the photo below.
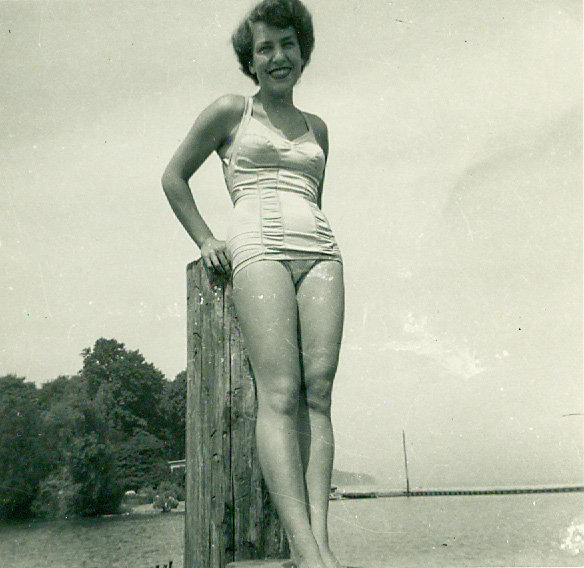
{"type": "Point", "coordinates": [245, 118]}
{"type": "Point", "coordinates": [307, 122]}
{"type": "Point", "coordinates": [246, 112]}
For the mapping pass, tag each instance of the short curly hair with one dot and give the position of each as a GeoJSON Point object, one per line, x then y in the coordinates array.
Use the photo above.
{"type": "Point", "coordinates": [278, 14]}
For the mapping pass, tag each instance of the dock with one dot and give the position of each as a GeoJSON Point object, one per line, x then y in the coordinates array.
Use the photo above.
{"type": "Point", "coordinates": [355, 494]}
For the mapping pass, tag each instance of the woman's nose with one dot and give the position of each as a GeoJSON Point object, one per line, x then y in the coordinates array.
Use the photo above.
{"type": "Point", "coordinates": [278, 54]}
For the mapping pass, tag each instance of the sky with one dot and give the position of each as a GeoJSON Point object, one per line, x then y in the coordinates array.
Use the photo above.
{"type": "Point", "coordinates": [454, 187]}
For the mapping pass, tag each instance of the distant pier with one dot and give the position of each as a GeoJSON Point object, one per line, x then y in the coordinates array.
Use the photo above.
{"type": "Point", "coordinates": [352, 494]}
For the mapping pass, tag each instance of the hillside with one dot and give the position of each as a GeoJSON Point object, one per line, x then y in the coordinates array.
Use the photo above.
{"type": "Point", "coordinates": [348, 478]}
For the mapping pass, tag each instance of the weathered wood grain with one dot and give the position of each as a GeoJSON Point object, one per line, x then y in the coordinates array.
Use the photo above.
{"type": "Point", "coordinates": [195, 542]}
{"type": "Point", "coordinates": [229, 516]}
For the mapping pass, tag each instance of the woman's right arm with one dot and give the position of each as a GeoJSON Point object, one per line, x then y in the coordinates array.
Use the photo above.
{"type": "Point", "coordinates": [211, 130]}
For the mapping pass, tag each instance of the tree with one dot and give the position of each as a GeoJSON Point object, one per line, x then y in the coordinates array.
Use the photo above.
{"type": "Point", "coordinates": [54, 391]}
{"type": "Point", "coordinates": [93, 473]}
{"type": "Point", "coordinates": [25, 457]}
{"type": "Point", "coordinates": [70, 447]}
{"type": "Point", "coordinates": [130, 385]}
{"type": "Point", "coordinates": [56, 496]}
{"type": "Point", "coordinates": [84, 481]}
{"type": "Point", "coordinates": [141, 461]}
{"type": "Point", "coordinates": [174, 408]}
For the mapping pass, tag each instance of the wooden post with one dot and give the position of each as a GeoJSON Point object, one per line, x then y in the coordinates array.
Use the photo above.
{"type": "Point", "coordinates": [229, 516]}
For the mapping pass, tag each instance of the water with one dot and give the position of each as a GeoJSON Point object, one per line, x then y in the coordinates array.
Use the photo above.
{"type": "Point", "coordinates": [482, 530]}
{"type": "Point", "coordinates": [112, 542]}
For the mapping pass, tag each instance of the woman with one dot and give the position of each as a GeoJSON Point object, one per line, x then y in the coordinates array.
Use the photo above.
{"type": "Point", "coordinates": [286, 266]}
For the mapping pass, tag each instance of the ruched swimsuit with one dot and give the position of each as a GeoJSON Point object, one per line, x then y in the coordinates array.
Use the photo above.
{"type": "Point", "coordinates": [273, 183]}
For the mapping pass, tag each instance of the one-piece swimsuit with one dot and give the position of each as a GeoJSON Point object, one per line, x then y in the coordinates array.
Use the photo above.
{"type": "Point", "coordinates": [273, 183]}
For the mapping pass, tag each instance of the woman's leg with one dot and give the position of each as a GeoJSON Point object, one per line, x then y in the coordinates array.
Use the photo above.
{"type": "Point", "coordinates": [320, 300]}
{"type": "Point", "coordinates": [265, 301]}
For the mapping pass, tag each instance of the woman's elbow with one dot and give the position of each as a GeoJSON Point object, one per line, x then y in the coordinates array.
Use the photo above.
{"type": "Point", "coordinates": [169, 180]}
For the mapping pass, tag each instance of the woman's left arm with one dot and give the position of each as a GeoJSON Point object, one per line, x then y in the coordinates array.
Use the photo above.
{"type": "Point", "coordinates": [321, 134]}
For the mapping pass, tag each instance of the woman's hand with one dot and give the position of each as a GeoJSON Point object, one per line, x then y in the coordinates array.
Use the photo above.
{"type": "Point", "coordinates": [214, 255]}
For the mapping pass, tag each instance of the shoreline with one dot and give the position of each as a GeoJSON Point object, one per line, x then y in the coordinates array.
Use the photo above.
{"type": "Point", "coordinates": [147, 510]}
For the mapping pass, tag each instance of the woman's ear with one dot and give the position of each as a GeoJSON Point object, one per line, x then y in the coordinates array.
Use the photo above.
{"type": "Point", "coordinates": [251, 68]}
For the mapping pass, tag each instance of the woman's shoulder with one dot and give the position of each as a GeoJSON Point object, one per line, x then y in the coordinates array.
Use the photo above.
{"type": "Point", "coordinates": [317, 123]}
{"type": "Point", "coordinates": [227, 108]}
{"type": "Point", "coordinates": [319, 128]}
{"type": "Point", "coordinates": [222, 117]}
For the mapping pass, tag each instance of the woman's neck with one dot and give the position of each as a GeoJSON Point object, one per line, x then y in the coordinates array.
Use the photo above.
{"type": "Point", "coordinates": [276, 102]}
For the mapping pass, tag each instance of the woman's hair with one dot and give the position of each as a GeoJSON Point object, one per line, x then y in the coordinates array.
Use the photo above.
{"type": "Point", "coordinates": [278, 14]}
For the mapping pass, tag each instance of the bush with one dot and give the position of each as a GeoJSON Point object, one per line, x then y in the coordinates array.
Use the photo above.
{"type": "Point", "coordinates": [56, 496]}
{"type": "Point", "coordinates": [147, 492]}
{"type": "Point", "coordinates": [165, 502]}
{"type": "Point", "coordinates": [92, 468]}
{"type": "Point", "coordinates": [169, 488]}
{"type": "Point", "coordinates": [167, 496]}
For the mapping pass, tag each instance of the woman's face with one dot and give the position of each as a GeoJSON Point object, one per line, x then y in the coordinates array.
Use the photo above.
{"type": "Point", "coordinates": [277, 62]}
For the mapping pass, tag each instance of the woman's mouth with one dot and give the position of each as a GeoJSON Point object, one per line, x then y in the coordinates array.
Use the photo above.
{"type": "Point", "coordinates": [280, 72]}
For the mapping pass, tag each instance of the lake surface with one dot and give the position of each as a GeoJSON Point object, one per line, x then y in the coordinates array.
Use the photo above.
{"type": "Point", "coordinates": [478, 530]}
{"type": "Point", "coordinates": [482, 530]}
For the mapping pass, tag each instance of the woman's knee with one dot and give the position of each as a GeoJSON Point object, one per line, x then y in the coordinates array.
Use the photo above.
{"type": "Point", "coordinates": [318, 380]}
{"type": "Point", "coordinates": [279, 395]}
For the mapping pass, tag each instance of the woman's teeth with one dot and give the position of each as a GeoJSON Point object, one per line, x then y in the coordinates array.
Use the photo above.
{"type": "Point", "coordinates": [280, 73]}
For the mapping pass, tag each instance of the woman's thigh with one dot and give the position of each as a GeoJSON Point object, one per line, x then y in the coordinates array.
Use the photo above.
{"type": "Point", "coordinates": [321, 306]}
{"type": "Point", "coordinates": [265, 302]}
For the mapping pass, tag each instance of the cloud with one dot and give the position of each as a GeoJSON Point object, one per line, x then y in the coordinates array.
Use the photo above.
{"type": "Point", "coordinates": [451, 354]}
{"type": "Point", "coordinates": [457, 359]}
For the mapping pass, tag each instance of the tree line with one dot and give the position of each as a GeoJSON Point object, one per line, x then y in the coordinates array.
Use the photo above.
{"type": "Point", "coordinates": [76, 444]}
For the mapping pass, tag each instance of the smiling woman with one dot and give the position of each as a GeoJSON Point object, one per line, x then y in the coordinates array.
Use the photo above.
{"type": "Point", "coordinates": [297, 17]}
{"type": "Point", "coordinates": [277, 60]}
{"type": "Point", "coordinates": [284, 262]}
